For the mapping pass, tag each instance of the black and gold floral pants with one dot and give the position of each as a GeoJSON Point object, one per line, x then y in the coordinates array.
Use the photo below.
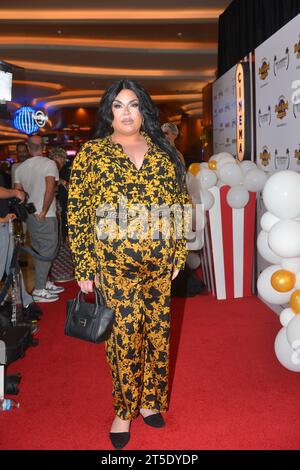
{"type": "Point", "coordinates": [135, 277]}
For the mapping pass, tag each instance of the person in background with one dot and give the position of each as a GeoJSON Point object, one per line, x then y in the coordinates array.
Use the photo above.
{"type": "Point", "coordinates": [171, 132]}
{"type": "Point", "coordinates": [21, 155]}
{"type": "Point", "coordinates": [62, 268]}
{"type": "Point", "coordinates": [59, 155]}
{"type": "Point", "coordinates": [7, 244]}
{"type": "Point", "coordinates": [37, 176]}
{"type": "Point", "coordinates": [5, 171]}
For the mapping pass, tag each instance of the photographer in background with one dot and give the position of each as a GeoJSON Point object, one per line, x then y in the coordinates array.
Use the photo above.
{"type": "Point", "coordinates": [38, 176]}
{"type": "Point", "coordinates": [7, 244]}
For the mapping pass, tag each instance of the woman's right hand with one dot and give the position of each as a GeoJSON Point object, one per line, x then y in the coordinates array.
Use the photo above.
{"type": "Point", "coordinates": [86, 286]}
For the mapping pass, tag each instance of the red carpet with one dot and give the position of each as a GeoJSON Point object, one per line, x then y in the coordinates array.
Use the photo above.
{"type": "Point", "coordinates": [228, 389]}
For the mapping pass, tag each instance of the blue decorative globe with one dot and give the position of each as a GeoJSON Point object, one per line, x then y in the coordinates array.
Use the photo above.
{"type": "Point", "coordinates": [24, 122]}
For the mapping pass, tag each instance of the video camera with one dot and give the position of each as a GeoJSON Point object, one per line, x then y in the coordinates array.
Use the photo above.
{"type": "Point", "coordinates": [21, 209]}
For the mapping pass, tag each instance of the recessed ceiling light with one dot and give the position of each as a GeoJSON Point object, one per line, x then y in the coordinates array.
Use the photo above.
{"type": "Point", "coordinates": [179, 34]}
{"type": "Point", "coordinates": [59, 31]}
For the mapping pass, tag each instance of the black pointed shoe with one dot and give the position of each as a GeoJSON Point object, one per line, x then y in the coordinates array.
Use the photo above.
{"type": "Point", "coordinates": [156, 420]}
{"type": "Point", "coordinates": [119, 439]}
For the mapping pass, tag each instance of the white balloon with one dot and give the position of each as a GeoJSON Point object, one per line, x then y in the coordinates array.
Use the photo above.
{"type": "Point", "coordinates": [214, 157]}
{"type": "Point", "coordinates": [195, 240]}
{"type": "Point", "coordinates": [226, 159]}
{"type": "Point", "coordinates": [207, 178]}
{"type": "Point", "coordinates": [224, 154]}
{"type": "Point", "coordinates": [293, 332]}
{"type": "Point", "coordinates": [199, 217]}
{"type": "Point", "coordinates": [237, 197]}
{"type": "Point", "coordinates": [230, 173]}
{"type": "Point", "coordinates": [267, 221]}
{"type": "Point", "coordinates": [193, 185]}
{"type": "Point", "coordinates": [264, 249]}
{"type": "Point", "coordinates": [287, 357]}
{"type": "Point", "coordinates": [247, 165]}
{"type": "Point", "coordinates": [266, 290]}
{"type": "Point", "coordinates": [284, 238]}
{"type": "Point", "coordinates": [207, 199]}
{"type": "Point", "coordinates": [291, 264]}
{"type": "Point", "coordinates": [204, 165]}
{"type": "Point", "coordinates": [193, 260]}
{"type": "Point", "coordinates": [281, 194]}
{"type": "Point", "coordinates": [255, 180]}
{"type": "Point", "coordinates": [297, 283]}
{"type": "Point", "coordinates": [286, 315]}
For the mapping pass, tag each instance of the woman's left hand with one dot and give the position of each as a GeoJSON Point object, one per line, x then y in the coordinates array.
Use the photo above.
{"type": "Point", "coordinates": [175, 273]}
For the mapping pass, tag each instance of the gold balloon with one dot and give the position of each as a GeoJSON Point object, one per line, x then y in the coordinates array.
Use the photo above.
{"type": "Point", "coordinates": [295, 301]}
{"type": "Point", "coordinates": [194, 168]}
{"type": "Point", "coordinates": [212, 165]}
{"type": "Point", "coordinates": [283, 280]}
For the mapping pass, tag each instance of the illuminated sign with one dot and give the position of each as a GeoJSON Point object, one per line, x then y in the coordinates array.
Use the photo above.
{"type": "Point", "coordinates": [28, 121]}
{"type": "Point", "coordinates": [243, 115]}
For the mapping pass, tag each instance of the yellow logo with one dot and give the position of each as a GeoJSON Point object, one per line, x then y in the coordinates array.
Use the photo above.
{"type": "Point", "coordinates": [297, 49]}
{"type": "Point", "coordinates": [265, 157]}
{"type": "Point", "coordinates": [282, 107]}
{"type": "Point", "coordinates": [264, 69]}
{"type": "Point", "coordinates": [297, 156]}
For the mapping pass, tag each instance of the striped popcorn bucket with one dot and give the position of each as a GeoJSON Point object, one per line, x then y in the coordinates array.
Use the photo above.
{"type": "Point", "coordinates": [229, 239]}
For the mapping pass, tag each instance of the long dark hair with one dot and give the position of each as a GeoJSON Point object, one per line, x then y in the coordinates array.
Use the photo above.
{"type": "Point", "coordinates": [150, 122]}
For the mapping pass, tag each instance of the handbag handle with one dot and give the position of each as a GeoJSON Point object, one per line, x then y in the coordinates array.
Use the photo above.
{"type": "Point", "coordinates": [98, 297]}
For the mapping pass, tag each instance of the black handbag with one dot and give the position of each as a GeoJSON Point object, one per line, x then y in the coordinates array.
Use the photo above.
{"type": "Point", "coordinates": [87, 321]}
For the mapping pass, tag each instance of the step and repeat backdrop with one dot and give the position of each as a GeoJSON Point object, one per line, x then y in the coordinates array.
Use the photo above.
{"type": "Point", "coordinates": [273, 104]}
{"type": "Point", "coordinates": [277, 90]}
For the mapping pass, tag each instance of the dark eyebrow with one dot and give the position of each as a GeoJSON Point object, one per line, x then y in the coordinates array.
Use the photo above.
{"type": "Point", "coordinates": [121, 102]}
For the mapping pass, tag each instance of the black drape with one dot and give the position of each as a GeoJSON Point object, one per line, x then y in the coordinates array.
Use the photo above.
{"type": "Point", "coordinates": [247, 23]}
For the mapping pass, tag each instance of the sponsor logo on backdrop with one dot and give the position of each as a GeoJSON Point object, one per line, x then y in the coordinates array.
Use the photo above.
{"type": "Point", "coordinates": [296, 93]}
{"type": "Point", "coordinates": [296, 110]}
{"type": "Point", "coordinates": [228, 142]}
{"type": "Point", "coordinates": [281, 63]}
{"type": "Point", "coordinates": [265, 157]}
{"type": "Point", "coordinates": [264, 118]}
{"type": "Point", "coordinates": [297, 48]}
{"type": "Point", "coordinates": [282, 107]}
{"type": "Point", "coordinates": [297, 155]}
{"type": "Point", "coordinates": [220, 94]}
{"type": "Point", "coordinates": [296, 98]}
{"type": "Point", "coordinates": [282, 162]}
{"type": "Point", "coordinates": [264, 69]}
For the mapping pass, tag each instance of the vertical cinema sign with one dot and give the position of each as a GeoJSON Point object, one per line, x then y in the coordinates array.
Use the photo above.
{"type": "Point", "coordinates": [243, 112]}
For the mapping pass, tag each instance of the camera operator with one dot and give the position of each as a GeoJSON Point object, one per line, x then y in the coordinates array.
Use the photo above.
{"type": "Point", "coordinates": [38, 176]}
{"type": "Point", "coordinates": [7, 242]}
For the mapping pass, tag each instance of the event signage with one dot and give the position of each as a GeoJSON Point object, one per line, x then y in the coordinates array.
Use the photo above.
{"type": "Point", "coordinates": [277, 84]}
{"type": "Point", "coordinates": [243, 112]}
{"type": "Point", "coordinates": [232, 112]}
